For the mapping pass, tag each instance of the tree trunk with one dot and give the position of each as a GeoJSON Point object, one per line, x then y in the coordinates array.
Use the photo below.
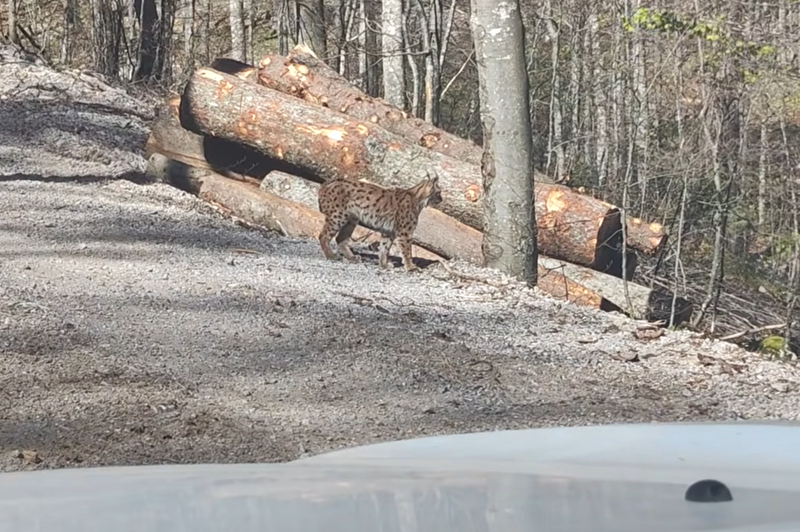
{"type": "Point", "coordinates": [363, 62]}
{"type": "Point", "coordinates": [329, 145]}
{"type": "Point", "coordinates": [576, 62]}
{"type": "Point", "coordinates": [230, 159]}
{"type": "Point", "coordinates": [372, 50]}
{"type": "Point", "coordinates": [310, 20]}
{"type": "Point", "coordinates": [600, 104]}
{"type": "Point", "coordinates": [12, 22]}
{"type": "Point", "coordinates": [148, 43]}
{"type": "Point", "coordinates": [639, 113]}
{"type": "Point", "coordinates": [412, 61]}
{"type": "Point", "coordinates": [555, 144]}
{"type": "Point", "coordinates": [509, 232]}
{"type": "Point", "coordinates": [247, 10]}
{"type": "Point", "coordinates": [107, 35]}
{"type": "Point", "coordinates": [189, 14]}
{"type": "Point", "coordinates": [427, 29]}
{"type": "Point", "coordinates": [236, 22]}
{"type": "Point", "coordinates": [303, 75]}
{"type": "Point", "coordinates": [762, 174]}
{"type": "Point", "coordinates": [280, 24]}
{"type": "Point", "coordinates": [162, 69]}
{"type": "Point", "coordinates": [69, 21]}
{"type": "Point", "coordinates": [346, 21]}
{"type": "Point", "coordinates": [394, 82]}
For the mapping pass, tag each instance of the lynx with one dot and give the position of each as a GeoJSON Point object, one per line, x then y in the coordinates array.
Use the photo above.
{"type": "Point", "coordinates": [392, 212]}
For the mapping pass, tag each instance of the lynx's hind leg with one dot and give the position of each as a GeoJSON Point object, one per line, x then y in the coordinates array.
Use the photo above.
{"type": "Point", "coordinates": [383, 250]}
{"type": "Point", "coordinates": [404, 242]}
{"type": "Point", "coordinates": [343, 237]}
{"type": "Point", "coordinates": [330, 228]}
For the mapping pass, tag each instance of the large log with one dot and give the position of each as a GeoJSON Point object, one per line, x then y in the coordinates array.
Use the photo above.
{"type": "Point", "coordinates": [303, 75]}
{"type": "Point", "coordinates": [231, 159]}
{"type": "Point", "coordinates": [450, 238]}
{"type": "Point", "coordinates": [245, 200]}
{"type": "Point", "coordinates": [324, 142]}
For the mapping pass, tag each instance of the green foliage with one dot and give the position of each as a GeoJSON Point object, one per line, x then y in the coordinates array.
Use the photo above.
{"type": "Point", "coordinates": [792, 100]}
{"type": "Point", "coordinates": [775, 346]}
{"type": "Point", "coordinates": [664, 21]}
{"type": "Point", "coordinates": [772, 345]}
{"type": "Point", "coordinates": [712, 31]}
{"type": "Point", "coordinates": [785, 246]}
{"type": "Point", "coordinates": [655, 19]}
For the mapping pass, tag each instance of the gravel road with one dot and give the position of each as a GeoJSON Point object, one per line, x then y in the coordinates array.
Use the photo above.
{"type": "Point", "coordinates": [138, 326]}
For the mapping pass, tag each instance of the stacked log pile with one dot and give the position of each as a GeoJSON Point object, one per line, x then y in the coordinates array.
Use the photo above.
{"type": "Point", "coordinates": [259, 140]}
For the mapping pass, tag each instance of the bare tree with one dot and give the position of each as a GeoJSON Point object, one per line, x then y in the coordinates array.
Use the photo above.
{"type": "Point", "coordinates": [280, 24]}
{"type": "Point", "coordinates": [509, 239]}
{"type": "Point", "coordinates": [555, 144]}
{"type": "Point", "coordinates": [310, 29]}
{"type": "Point", "coordinates": [236, 19]}
{"type": "Point", "coordinates": [394, 82]}
{"type": "Point", "coordinates": [107, 36]}
{"type": "Point", "coordinates": [69, 21]}
{"type": "Point", "coordinates": [147, 14]}
{"type": "Point", "coordinates": [247, 8]}
{"type": "Point", "coordinates": [370, 48]}
{"type": "Point", "coordinates": [12, 22]}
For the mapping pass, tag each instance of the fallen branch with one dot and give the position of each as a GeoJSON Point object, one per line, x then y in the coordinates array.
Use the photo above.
{"type": "Point", "coordinates": [754, 330]}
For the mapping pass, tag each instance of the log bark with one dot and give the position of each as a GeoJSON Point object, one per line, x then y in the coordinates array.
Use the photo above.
{"type": "Point", "coordinates": [572, 226]}
{"type": "Point", "coordinates": [231, 159]}
{"type": "Point", "coordinates": [246, 201]}
{"type": "Point", "coordinates": [449, 238]}
{"type": "Point", "coordinates": [303, 75]}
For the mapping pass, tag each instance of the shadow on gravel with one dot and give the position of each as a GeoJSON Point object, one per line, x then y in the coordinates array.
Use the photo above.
{"type": "Point", "coordinates": [97, 229]}
{"type": "Point", "coordinates": [145, 226]}
{"type": "Point", "coordinates": [231, 378]}
{"type": "Point", "coordinates": [261, 370]}
{"type": "Point", "coordinates": [65, 127]}
{"type": "Point", "coordinates": [142, 435]}
{"type": "Point", "coordinates": [172, 426]}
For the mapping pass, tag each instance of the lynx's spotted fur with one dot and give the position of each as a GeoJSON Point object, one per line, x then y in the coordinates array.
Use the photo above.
{"type": "Point", "coordinates": [392, 212]}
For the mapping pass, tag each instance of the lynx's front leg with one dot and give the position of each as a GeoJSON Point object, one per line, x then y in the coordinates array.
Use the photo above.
{"type": "Point", "coordinates": [383, 250]}
{"type": "Point", "coordinates": [343, 237]}
{"type": "Point", "coordinates": [404, 242]}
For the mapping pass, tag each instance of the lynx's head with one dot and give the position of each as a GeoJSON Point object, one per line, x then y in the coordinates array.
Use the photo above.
{"type": "Point", "coordinates": [428, 191]}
